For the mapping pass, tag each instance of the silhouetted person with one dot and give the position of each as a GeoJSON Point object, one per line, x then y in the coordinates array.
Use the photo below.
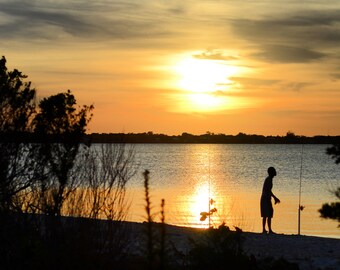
{"type": "Point", "coordinates": [266, 201]}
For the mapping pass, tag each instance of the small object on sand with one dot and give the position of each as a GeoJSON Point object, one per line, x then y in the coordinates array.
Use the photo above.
{"type": "Point", "coordinates": [238, 229]}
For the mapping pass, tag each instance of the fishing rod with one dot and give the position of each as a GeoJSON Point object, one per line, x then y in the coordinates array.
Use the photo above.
{"type": "Point", "coordinates": [209, 199]}
{"type": "Point", "coordinates": [301, 207]}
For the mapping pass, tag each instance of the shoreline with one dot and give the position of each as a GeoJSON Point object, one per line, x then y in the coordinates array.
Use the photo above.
{"type": "Point", "coordinates": [327, 236]}
{"type": "Point", "coordinates": [130, 240]}
{"type": "Point", "coordinates": [309, 252]}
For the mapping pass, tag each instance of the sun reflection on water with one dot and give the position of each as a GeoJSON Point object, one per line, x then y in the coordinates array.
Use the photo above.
{"type": "Point", "coordinates": [199, 202]}
{"type": "Point", "coordinates": [205, 192]}
{"type": "Point", "coordinates": [204, 200]}
{"type": "Point", "coordinates": [234, 174]}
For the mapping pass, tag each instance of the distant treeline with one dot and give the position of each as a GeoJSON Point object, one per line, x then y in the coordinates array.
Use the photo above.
{"type": "Point", "coordinates": [150, 137]}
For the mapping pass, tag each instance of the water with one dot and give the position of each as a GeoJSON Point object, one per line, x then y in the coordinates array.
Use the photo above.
{"type": "Point", "coordinates": [188, 175]}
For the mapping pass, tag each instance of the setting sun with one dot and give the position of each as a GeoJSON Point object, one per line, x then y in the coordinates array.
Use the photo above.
{"type": "Point", "coordinates": [204, 76]}
{"type": "Point", "coordinates": [205, 101]}
{"type": "Point", "coordinates": [205, 84]}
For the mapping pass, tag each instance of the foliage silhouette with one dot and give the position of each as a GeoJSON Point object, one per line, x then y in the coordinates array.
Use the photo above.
{"type": "Point", "coordinates": [59, 119]}
{"type": "Point", "coordinates": [155, 234]}
{"type": "Point", "coordinates": [17, 100]}
{"type": "Point", "coordinates": [332, 210]}
{"type": "Point", "coordinates": [45, 169]}
{"type": "Point", "coordinates": [17, 107]}
{"type": "Point", "coordinates": [334, 152]}
{"type": "Point", "coordinates": [204, 215]}
{"type": "Point", "coordinates": [220, 249]}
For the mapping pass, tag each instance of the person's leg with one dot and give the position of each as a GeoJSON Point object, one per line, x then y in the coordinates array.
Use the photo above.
{"type": "Point", "coordinates": [270, 225]}
{"type": "Point", "coordinates": [264, 225]}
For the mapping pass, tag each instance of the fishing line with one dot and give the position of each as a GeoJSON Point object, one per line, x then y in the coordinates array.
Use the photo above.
{"type": "Point", "coordinates": [300, 187]}
{"type": "Point", "coordinates": [209, 184]}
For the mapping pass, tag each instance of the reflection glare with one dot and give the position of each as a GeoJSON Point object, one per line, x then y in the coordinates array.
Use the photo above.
{"type": "Point", "coordinates": [200, 202]}
{"type": "Point", "coordinates": [181, 175]}
{"type": "Point", "coordinates": [202, 190]}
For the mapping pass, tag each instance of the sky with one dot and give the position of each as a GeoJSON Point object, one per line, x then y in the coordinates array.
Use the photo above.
{"type": "Point", "coordinates": [174, 66]}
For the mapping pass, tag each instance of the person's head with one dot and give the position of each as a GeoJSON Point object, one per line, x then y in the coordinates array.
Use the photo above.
{"type": "Point", "coordinates": [271, 171]}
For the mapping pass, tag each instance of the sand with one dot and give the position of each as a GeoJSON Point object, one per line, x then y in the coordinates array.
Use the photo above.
{"type": "Point", "coordinates": [307, 251]}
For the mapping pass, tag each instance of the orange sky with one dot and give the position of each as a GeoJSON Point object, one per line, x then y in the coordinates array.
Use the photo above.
{"type": "Point", "coordinates": [258, 67]}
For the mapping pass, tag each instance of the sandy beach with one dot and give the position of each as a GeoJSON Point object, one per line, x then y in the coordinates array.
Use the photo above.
{"type": "Point", "coordinates": [307, 251]}
{"type": "Point", "coordinates": [87, 242]}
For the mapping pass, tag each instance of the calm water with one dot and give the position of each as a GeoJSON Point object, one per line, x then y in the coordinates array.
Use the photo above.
{"type": "Point", "coordinates": [186, 176]}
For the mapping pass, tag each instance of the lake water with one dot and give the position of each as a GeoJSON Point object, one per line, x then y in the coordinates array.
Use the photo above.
{"type": "Point", "coordinates": [187, 176]}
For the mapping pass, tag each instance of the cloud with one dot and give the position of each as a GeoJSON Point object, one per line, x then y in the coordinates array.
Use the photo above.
{"type": "Point", "coordinates": [246, 81]}
{"type": "Point", "coordinates": [335, 76]}
{"type": "Point", "coordinates": [88, 20]}
{"type": "Point", "coordinates": [214, 55]}
{"type": "Point", "coordinates": [249, 83]}
{"type": "Point", "coordinates": [311, 27]}
{"type": "Point", "coordinates": [296, 86]}
{"type": "Point", "coordinates": [296, 37]}
{"type": "Point", "coordinates": [287, 54]}
{"type": "Point", "coordinates": [32, 22]}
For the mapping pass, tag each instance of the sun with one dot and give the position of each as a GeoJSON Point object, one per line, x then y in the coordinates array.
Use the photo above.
{"type": "Point", "coordinates": [199, 75]}
{"type": "Point", "coordinates": [205, 83]}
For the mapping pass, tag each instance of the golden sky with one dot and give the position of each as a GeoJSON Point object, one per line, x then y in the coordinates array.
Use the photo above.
{"type": "Point", "coordinates": [173, 66]}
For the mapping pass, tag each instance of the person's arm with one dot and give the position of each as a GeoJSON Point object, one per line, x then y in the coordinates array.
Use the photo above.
{"type": "Point", "coordinates": [276, 199]}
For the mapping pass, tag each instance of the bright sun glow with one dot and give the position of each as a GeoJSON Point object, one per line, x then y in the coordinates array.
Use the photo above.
{"type": "Point", "coordinates": [204, 75]}
{"type": "Point", "coordinates": [206, 83]}
{"type": "Point", "coordinates": [200, 203]}
{"type": "Point", "coordinates": [200, 200]}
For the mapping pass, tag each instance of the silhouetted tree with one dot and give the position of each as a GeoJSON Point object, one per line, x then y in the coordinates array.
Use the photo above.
{"type": "Point", "coordinates": [17, 107]}
{"type": "Point", "coordinates": [332, 210]}
{"type": "Point", "coordinates": [334, 152]}
{"type": "Point", "coordinates": [60, 126]}
{"type": "Point", "coordinates": [106, 170]}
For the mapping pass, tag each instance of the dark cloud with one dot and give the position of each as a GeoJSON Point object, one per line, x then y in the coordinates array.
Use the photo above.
{"type": "Point", "coordinates": [24, 15]}
{"type": "Point", "coordinates": [287, 54]}
{"type": "Point", "coordinates": [309, 27]}
{"type": "Point", "coordinates": [82, 19]}
{"type": "Point", "coordinates": [214, 55]}
{"type": "Point", "coordinates": [292, 38]}
{"type": "Point", "coordinates": [31, 21]}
